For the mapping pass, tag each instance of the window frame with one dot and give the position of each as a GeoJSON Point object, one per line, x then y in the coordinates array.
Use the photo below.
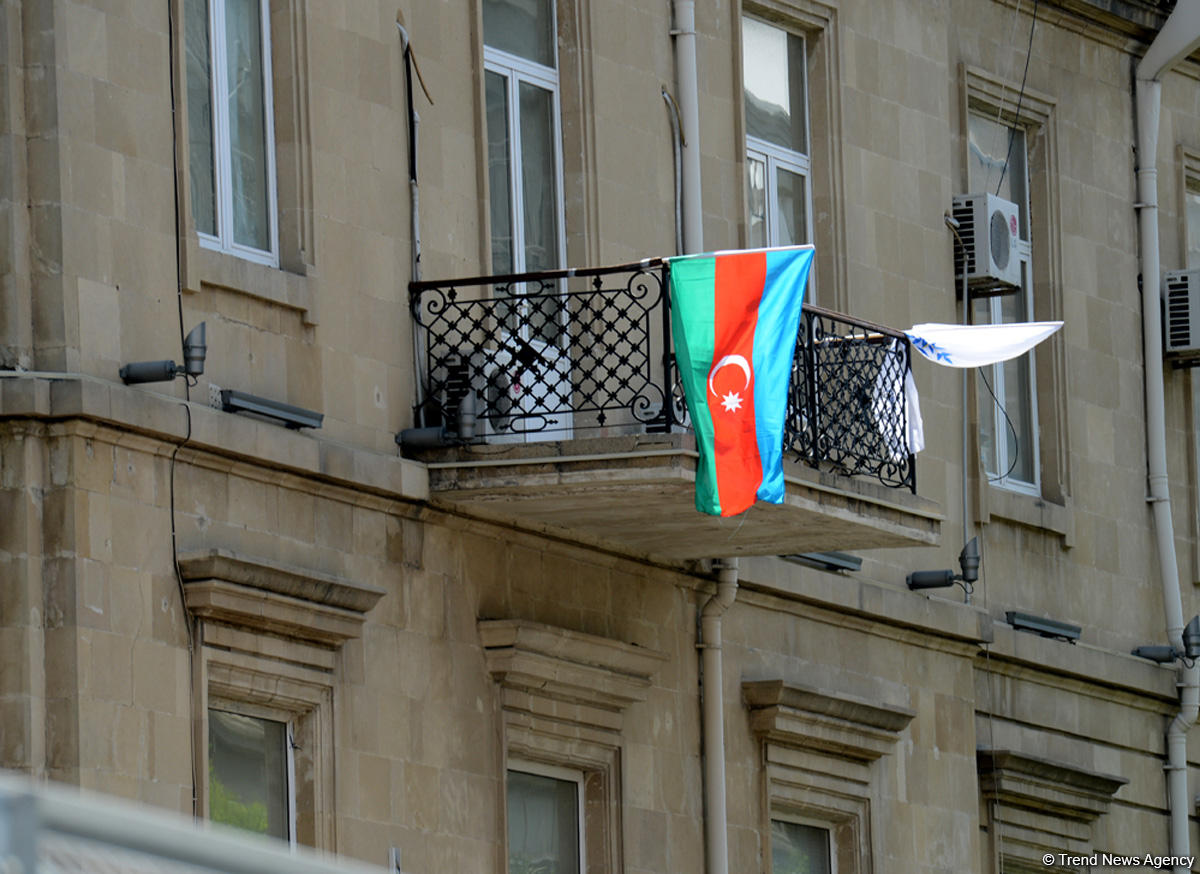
{"type": "Point", "coordinates": [995, 306]}
{"type": "Point", "coordinates": [516, 70]}
{"type": "Point", "coordinates": [774, 156]}
{"type": "Point", "coordinates": [796, 818]}
{"type": "Point", "coordinates": [243, 708]}
{"type": "Point", "coordinates": [1052, 507]}
{"type": "Point", "coordinates": [554, 772]}
{"type": "Point", "coordinates": [222, 147]}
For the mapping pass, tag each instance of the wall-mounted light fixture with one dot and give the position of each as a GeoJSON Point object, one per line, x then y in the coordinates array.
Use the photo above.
{"type": "Point", "coordinates": [289, 415]}
{"type": "Point", "coordinates": [1044, 627]}
{"type": "Point", "coordinates": [968, 561]}
{"type": "Point", "coordinates": [194, 352]}
{"type": "Point", "coordinates": [1166, 654]}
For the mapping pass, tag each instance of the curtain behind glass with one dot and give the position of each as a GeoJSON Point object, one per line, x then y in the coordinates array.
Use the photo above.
{"type": "Point", "coordinates": [539, 181]}
{"type": "Point", "coordinates": [756, 191]}
{"type": "Point", "coordinates": [522, 27]}
{"type": "Point", "coordinates": [499, 181]}
{"type": "Point", "coordinates": [201, 169]}
{"type": "Point", "coordinates": [793, 212]}
{"type": "Point", "coordinates": [247, 124]}
{"type": "Point", "coordinates": [799, 849]}
{"type": "Point", "coordinates": [774, 87]}
{"type": "Point", "coordinates": [987, 149]}
{"type": "Point", "coordinates": [543, 825]}
{"type": "Point", "coordinates": [247, 773]}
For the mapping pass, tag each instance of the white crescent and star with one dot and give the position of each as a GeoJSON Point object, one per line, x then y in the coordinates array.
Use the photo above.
{"type": "Point", "coordinates": [731, 401]}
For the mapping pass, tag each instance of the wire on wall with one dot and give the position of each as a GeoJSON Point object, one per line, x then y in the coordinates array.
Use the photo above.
{"type": "Point", "coordinates": [1012, 133]}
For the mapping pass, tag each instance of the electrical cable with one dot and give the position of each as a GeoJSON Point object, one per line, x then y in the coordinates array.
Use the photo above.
{"type": "Point", "coordinates": [187, 614]}
{"type": "Point", "coordinates": [187, 392]}
{"type": "Point", "coordinates": [1012, 131]}
{"type": "Point", "coordinates": [1011, 427]}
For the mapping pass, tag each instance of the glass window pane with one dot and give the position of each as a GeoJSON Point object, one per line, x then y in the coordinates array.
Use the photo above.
{"type": "Point", "coordinates": [773, 79]}
{"type": "Point", "coordinates": [756, 191]}
{"type": "Point", "coordinates": [988, 147]}
{"type": "Point", "coordinates": [792, 208]}
{"type": "Point", "coordinates": [1193, 225]}
{"type": "Point", "coordinates": [200, 126]}
{"type": "Point", "coordinates": [543, 825]}
{"type": "Point", "coordinates": [499, 180]}
{"type": "Point", "coordinates": [1018, 402]}
{"type": "Point", "coordinates": [521, 27]}
{"type": "Point", "coordinates": [247, 124]}
{"type": "Point", "coordinates": [539, 178]}
{"type": "Point", "coordinates": [247, 773]}
{"type": "Point", "coordinates": [539, 201]}
{"type": "Point", "coordinates": [799, 849]}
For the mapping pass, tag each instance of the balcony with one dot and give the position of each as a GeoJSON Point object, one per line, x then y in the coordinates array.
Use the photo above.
{"type": "Point", "coordinates": [550, 401]}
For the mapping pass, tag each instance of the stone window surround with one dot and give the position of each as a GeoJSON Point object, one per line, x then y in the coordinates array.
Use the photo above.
{"type": "Point", "coordinates": [1053, 510]}
{"type": "Point", "coordinates": [1189, 177]}
{"type": "Point", "coordinates": [1037, 806]}
{"type": "Point", "coordinates": [563, 695]}
{"type": "Point", "coordinates": [817, 22]}
{"type": "Point", "coordinates": [267, 636]}
{"type": "Point", "coordinates": [818, 748]}
{"type": "Point", "coordinates": [288, 285]}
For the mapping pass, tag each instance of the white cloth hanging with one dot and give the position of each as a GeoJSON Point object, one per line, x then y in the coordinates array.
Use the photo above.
{"type": "Point", "coordinates": [978, 345]}
{"type": "Point", "coordinates": [899, 440]}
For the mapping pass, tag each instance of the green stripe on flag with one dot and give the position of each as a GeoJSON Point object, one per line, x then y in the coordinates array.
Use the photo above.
{"type": "Point", "coordinates": [693, 317]}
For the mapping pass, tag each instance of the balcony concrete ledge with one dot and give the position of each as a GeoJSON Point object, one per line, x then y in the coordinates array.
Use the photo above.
{"type": "Point", "coordinates": [635, 494]}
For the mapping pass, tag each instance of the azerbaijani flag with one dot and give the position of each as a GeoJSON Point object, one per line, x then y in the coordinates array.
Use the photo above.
{"type": "Point", "coordinates": [734, 318]}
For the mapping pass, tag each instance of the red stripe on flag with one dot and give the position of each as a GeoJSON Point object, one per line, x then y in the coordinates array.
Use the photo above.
{"type": "Point", "coordinates": [739, 285]}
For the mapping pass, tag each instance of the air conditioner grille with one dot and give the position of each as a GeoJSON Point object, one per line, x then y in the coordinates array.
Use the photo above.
{"type": "Point", "coordinates": [1181, 309]}
{"type": "Point", "coordinates": [999, 233]}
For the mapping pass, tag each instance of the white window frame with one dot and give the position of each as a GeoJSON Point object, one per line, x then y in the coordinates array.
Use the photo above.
{"type": "Point", "coordinates": [554, 772]}
{"type": "Point", "coordinates": [267, 714]}
{"type": "Point", "coordinates": [515, 70]}
{"type": "Point", "coordinates": [797, 819]}
{"type": "Point", "coordinates": [222, 147]}
{"type": "Point", "coordinates": [995, 374]}
{"type": "Point", "coordinates": [776, 157]}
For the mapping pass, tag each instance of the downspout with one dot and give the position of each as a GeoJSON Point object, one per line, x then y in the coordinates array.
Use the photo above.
{"type": "Point", "coordinates": [687, 74]}
{"type": "Point", "coordinates": [716, 827]}
{"type": "Point", "coordinates": [1178, 37]}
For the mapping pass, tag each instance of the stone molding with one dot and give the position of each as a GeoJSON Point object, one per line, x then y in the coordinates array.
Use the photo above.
{"type": "Point", "coordinates": [268, 596]}
{"type": "Point", "coordinates": [566, 675]}
{"type": "Point", "coordinates": [806, 718]}
{"type": "Point", "coordinates": [1047, 787]}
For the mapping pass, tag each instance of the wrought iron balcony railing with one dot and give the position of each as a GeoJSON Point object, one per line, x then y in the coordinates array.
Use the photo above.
{"type": "Point", "coordinates": [567, 353]}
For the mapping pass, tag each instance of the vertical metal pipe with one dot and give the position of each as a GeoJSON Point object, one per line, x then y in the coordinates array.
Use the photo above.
{"type": "Point", "coordinates": [716, 823]}
{"type": "Point", "coordinates": [686, 72]}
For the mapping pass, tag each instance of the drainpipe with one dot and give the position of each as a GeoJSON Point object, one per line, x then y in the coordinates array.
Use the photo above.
{"type": "Point", "coordinates": [1178, 38]}
{"type": "Point", "coordinates": [716, 827]}
{"type": "Point", "coordinates": [687, 74]}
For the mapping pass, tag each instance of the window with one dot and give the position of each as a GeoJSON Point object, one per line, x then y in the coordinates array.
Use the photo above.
{"type": "Point", "coordinates": [231, 150]}
{"type": "Point", "coordinates": [797, 848]}
{"type": "Point", "coordinates": [1008, 425]}
{"type": "Point", "coordinates": [775, 94]}
{"type": "Point", "coordinates": [250, 774]}
{"type": "Point", "coordinates": [524, 166]}
{"type": "Point", "coordinates": [1191, 197]}
{"type": "Point", "coordinates": [545, 820]}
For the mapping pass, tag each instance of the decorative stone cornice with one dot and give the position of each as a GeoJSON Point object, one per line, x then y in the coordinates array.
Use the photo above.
{"type": "Point", "coordinates": [830, 722]}
{"type": "Point", "coordinates": [268, 596]}
{"type": "Point", "coordinates": [1046, 787]}
{"type": "Point", "coordinates": [565, 675]}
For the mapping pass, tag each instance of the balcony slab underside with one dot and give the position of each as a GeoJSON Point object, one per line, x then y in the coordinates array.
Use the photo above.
{"type": "Point", "coordinates": [635, 495]}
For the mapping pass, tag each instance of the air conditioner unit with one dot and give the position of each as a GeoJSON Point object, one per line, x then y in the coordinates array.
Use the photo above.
{"type": "Point", "coordinates": [1181, 316]}
{"type": "Point", "coordinates": [990, 231]}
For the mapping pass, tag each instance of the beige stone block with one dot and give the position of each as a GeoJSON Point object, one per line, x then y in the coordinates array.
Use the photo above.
{"type": "Point", "coordinates": [107, 659]}
{"type": "Point", "coordinates": [374, 789]}
{"type": "Point", "coordinates": [156, 670]}
{"type": "Point", "coordinates": [423, 790]}
{"type": "Point", "coordinates": [129, 741]}
{"type": "Point", "coordinates": [169, 748]}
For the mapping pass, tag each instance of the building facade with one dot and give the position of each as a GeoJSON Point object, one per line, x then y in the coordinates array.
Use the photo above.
{"type": "Point", "coordinates": [490, 645]}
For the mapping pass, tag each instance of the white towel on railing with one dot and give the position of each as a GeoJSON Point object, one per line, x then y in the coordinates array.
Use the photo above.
{"type": "Point", "coordinates": [978, 345]}
{"type": "Point", "coordinates": [899, 439]}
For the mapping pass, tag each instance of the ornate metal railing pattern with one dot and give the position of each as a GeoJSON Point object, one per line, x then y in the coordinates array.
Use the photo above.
{"type": "Point", "coordinates": [550, 355]}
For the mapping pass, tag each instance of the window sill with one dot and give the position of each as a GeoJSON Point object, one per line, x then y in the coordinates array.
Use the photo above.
{"type": "Point", "coordinates": [271, 284]}
{"type": "Point", "coordinates": [1032, 511]}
